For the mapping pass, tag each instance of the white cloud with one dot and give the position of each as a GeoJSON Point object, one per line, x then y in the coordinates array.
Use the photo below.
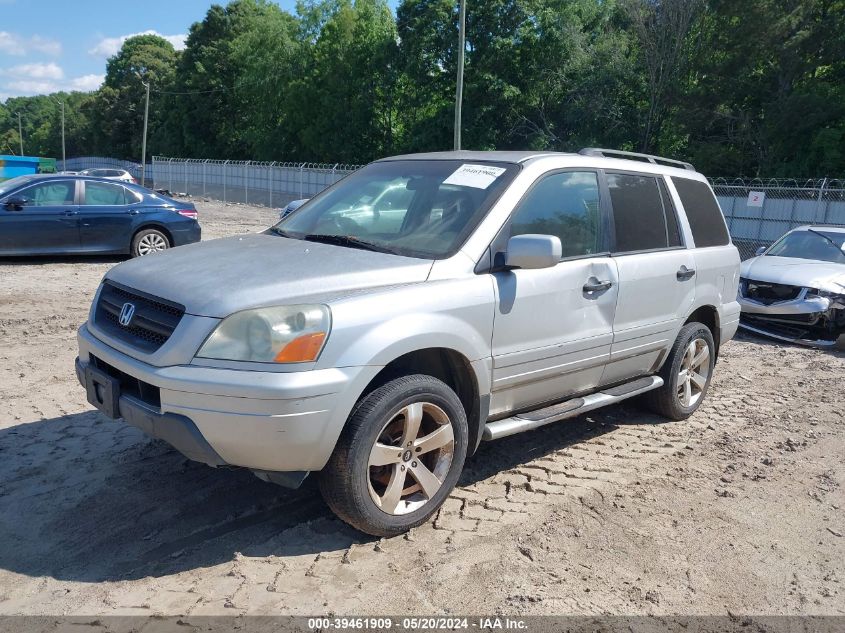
{"type": "Point", "coordinates": [86, 83]}
{"type": "Point", "coordinates": [35, 71]}
{"type": "Point", "coordinates": [111, 45]}
{"type": "Point", "coordinates": [15, 44]}
{"type": "Point", "coordinates": [34, 79]}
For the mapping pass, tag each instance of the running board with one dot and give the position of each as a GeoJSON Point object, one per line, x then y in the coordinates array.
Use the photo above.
{"type": "Point", "coordinates": [569, 409]}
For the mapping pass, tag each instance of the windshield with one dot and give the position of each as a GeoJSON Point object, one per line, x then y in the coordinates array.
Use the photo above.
{"type": "Point", "coordinates": [12, 183]}
{"type": "Point", "coordinates": [825, 246]}
{"type": "Point", "coordinates": [418, 208]}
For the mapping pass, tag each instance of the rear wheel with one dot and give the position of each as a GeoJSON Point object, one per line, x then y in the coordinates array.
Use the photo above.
{"type": "Point", "coordinates": [686, 374]}
{"type": "Point", "coordinates": [399, 456]}
{"type": "Point", "coordinates": [149, 241]}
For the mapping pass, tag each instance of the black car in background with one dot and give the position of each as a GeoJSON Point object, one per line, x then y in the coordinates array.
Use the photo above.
{"type": "Point", "coordinates": [53, 214]}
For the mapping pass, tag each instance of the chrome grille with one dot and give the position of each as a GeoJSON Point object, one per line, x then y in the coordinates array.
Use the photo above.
{"type": "Point", "coordinates": [150, 326]}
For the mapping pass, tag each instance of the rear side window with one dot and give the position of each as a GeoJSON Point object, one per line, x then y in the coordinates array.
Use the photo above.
{"type": "Point", "coordinates": [705, 217]}
{"type": "Point", "coordinates": [638, 214]}
{"type": "Point", "coordinates": [104, 194]}
{"type": "Point", "coordinates": [673, 232]}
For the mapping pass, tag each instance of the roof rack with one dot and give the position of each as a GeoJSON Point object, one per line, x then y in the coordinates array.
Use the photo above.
{"type": "Point", "coordinates": [647, 158]}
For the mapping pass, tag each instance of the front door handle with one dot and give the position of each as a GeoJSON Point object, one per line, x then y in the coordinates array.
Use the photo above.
{"type": "Point", "coordinates": [685, 273]}
{"type": "Point", "coordinates": [133, 212]}
{"type": "Point", "coordinates": [71, 212]}
{"type": "Point", "coordinates": [594, 285]}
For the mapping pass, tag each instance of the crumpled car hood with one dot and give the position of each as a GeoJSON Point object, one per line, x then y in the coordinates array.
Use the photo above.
{"type": "Point", "coordinates": [808, 273]}
{"type": "Point", "coordinates": [219, 277]}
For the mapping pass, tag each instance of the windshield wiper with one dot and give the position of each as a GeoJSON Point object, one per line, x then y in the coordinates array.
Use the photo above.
{"type": "Point", "coordinates": [835, 245]}
{"type": "Point", "coordinates": [278, 231]}
{"type": "Point", "coordinates": [348, 240]}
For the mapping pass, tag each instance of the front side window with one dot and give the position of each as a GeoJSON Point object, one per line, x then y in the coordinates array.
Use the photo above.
{"type": "Point", "coordinates": [418, 208]}
{"type": "Point", "coordinates": [49, 194]}
{"type": "Point", "coordinates": [638, 214]}
{"type": "Point", "coordinates": [566, 205]}
{"type": "Point", "coordinates": [104, 194]}
{"type": "Point", "coordinates": [825, 246]}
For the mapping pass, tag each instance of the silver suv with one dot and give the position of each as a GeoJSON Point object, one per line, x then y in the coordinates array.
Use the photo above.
{"type": "Point", "coordinates": [509, 291]}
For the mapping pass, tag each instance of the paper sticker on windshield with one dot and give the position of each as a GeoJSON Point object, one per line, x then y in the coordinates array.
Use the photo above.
{"type": "Point", "coordinates": [478, 176]}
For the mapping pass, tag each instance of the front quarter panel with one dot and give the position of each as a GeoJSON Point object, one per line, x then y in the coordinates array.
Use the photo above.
{"type": "Point", "coordinates": [376, 328]}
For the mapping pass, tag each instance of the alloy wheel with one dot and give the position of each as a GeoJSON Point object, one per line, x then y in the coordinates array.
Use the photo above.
{"type": "Point", "coordinates": [694, 372]}
{"type": "Point", "coordinates": [411, 458]}
{"type": "Point", "coordinates": [151, 243]}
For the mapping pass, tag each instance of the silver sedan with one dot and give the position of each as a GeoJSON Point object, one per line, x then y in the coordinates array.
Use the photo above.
{"type": "Point", "coordinates": [795, 289]}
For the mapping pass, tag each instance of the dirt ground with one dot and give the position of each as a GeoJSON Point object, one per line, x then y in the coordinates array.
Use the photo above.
{"type": "Point", "coordinates": [737, 510]}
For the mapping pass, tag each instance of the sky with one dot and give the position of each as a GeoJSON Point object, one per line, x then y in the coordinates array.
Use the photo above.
{"type": "Point", "coordinates": [52, 45]}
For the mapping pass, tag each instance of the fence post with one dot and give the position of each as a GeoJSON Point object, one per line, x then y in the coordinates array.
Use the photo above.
{"type": "Point", "coordinates": [170, 175]}
{"type": "Point", "coordinates": [301, 172]}
{"type": "Point", "coordinates": [204, 170]}
{"type": "Point", "coordinates": [823, 217]}
{"type": "Point", "coordinates": [246, 182]}
{"type": "Point", "coordinates": [224, 180]}
{"type": "Point", "coordinates": [186, 177]}
{"type": "Point", "coordinates": [272, 165]}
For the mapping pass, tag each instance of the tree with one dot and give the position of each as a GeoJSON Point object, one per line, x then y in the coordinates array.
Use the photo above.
{"type": "Point", "coordinates": [116, 114]}
{"type": "Point", "coordinates": [344, 108]}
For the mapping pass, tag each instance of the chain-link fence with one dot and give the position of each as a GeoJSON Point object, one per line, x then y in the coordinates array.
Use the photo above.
{"type": "Point", "coordinates": [759, 211]}
{"type": "Point", "coordinates": [100, 162]}
{"type": "Point", "coordinates": [249, 182]}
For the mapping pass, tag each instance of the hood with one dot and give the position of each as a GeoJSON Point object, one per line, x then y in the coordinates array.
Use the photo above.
{"type": "Point", "coordinates": [807, 273]}
{"type": "Point", "coordinates": [223, 276]}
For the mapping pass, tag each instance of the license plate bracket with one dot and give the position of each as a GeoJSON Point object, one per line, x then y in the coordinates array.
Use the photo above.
{"type": "Point", "coordinates": [103, 391]}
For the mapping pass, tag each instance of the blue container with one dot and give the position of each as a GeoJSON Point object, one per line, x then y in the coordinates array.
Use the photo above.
{"type": "Point", "coordinates": [12, 166]}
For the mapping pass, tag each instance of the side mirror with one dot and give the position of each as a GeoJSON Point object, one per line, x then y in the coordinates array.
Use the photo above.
{"type": "Point", "coordinates": [533, 251]}
{"type": "Point", "coordinates": [760, 251]}
{"type": "Point", "coordinates": [16, 203]}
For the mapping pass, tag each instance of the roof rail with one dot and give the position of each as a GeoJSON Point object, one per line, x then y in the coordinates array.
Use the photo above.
{"type": "Point", "coordinates": [648, 158]}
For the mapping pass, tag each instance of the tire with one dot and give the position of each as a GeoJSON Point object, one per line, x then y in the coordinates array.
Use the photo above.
{"type": "Point", "coordinates": [377, 490]}
{"type": "Point", "coordinates": [149, 241]}
{"type": "Point", "coordinates": [672, 400]}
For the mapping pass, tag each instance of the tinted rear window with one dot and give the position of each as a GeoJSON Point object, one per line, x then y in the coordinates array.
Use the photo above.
{"type": "Point", "coordinates": [705, 217]}
{"type": "Point", "coordinates": [637, 213]}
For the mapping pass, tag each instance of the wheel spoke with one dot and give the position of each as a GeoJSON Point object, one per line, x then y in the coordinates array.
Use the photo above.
{"type": "Point", "coordinates": [698, 380]}
{"type": "Point", "coordinates": [413, 417]}
{"type": "Point", "coordinates": [687, 397]}
{"type": "Point", "coordinates": [682, 378]}
{"type": "Point", "coordinates": [436, 439]}
{"type": "Point", "coordinates": [702, 357]}
{"type": "Point", "coordinates": [389, 501]}
{"type": "Point", "coordinates": [383, 454]}
{"type": "Point", "coordinates": [426, 479]}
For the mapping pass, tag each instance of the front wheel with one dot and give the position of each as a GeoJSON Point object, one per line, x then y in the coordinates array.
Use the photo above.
{"type": "Point", "coordinates": [686, 374]}
{"type": "Point", "coordinates": [399, 456]}
{"type": "Point", "coordinates": [149, 241]}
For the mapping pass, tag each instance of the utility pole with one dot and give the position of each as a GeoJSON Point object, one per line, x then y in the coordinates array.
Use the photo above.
{"type": "Point", "coordinates": [64, 155]}
{"type": "Point", "coordinates": [459, 93]}
{"type": "Point", "coordinates": [144, 140]}
{"type": "Point", "coordinates": [20, 132]}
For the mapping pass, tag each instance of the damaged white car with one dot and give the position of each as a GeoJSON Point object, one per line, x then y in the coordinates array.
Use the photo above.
{"type": "Point", "coordinates": [794, 290]}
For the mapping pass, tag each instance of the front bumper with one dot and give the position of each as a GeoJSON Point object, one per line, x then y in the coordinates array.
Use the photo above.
{"type": "Point", "coordinates": [267, 421]}
{"type": "Point", "coordinates": [806, 320]}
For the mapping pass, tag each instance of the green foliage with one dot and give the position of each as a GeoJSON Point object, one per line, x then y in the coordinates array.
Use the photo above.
{"type": "Point", "coordinates": [739, 88]}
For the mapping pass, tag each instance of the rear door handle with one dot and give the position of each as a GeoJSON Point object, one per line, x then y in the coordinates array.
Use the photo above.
{"type": "Point", "coordinates": [685, 273]}
{"type": "Point", "coordinates": [594, 285]}
{"type": "Point", "coordinates": [71, 212]}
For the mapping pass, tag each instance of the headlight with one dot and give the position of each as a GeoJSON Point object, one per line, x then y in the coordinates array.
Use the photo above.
{"type": "Point", "coordinates": [284, 334]}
